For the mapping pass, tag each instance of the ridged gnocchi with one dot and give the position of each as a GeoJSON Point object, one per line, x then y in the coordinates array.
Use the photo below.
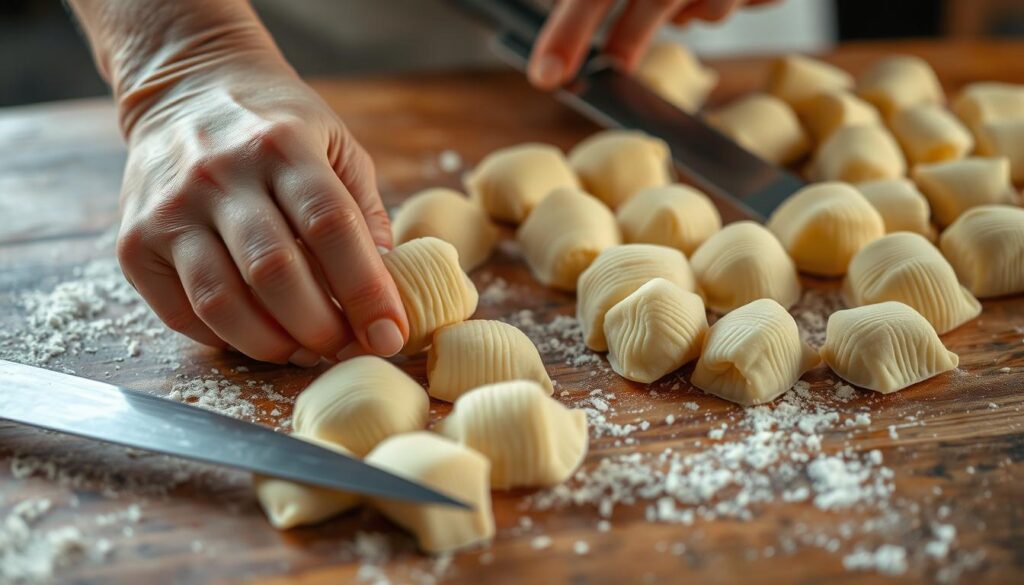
{"type": "Point", "coordinates": [654, 331]}
{"type": "Point", "coordinates": [1004, 139]}
{"type": "Point", "coordinates": [435, 291]}
{"type": "Point", "coordinates": [796, 79]}
{"type": "Point", "coordinates": [884, 347]}
{"type": "Point", "coordinates": [530, 439]}
{"type": "Point", "coordinates": [477, 352]}
{"type": "Point", "coordinates": [853, 154]}
{"type": "Point", "coordinates": [903, 208]}
{"type": "Point", "coordinates": [955, 186]}
{"type": "Point", "coordinates": [614, 165]}
{"type": "Point", "coordinates": [827, 112]}
{"type": "Point", "coordinates": [765, 125]}
{"type": "Point", "coordinates": [447, 215]}
{"type": "Point", "coordinates": [899, 82]}
{"type": "Point", "coordinates": [985, 245]}
{"type": "Point", "coordinates": [677, 216]}
{"type": "Point", "coordinates": [567, 230]}
{"type": "Point", "coordinates": [907, 268]}
{"type": "Point", "coordinates": [510, 182]}
{"type": "Point", "coordinates": [672, 71]}
{"type": "Point", "coordinates": [753, 355]}
{"type": "Point", "coordinates": [823, 226]}
{"type": "Point", "coordinates": [929, 133]}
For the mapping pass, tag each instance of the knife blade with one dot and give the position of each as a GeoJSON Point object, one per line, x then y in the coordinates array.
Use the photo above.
{"type": "Point", "coordinates": [104, 412]}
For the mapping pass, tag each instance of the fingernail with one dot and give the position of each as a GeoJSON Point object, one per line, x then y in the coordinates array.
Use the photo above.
{"type": "Point", "coordinates": [382, 250]}
{"type": "Point", "coordinates": [304, 358]}
{"type": "Point", "coordinates": [350, 351]}
{"type": "Point", "coordinates": [547, 73]}
{"type": "Point", "coordinates": [385, 337]}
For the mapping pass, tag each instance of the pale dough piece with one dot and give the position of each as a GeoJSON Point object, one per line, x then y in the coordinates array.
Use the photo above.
{"type": "Point", "coordinates": [288, 504]}
{"type": "Point", "coordinates": [753, 355]}
{"type": "Point", "coordinates": [447, 215]}
{"type": "Point", "coordinates": [929, 133]}
{"type": "Point", "coordinates": [827, 112]}
{"type": "Point", "coordinates": [510, 182]}
{"type": "Point", "coordinates": [614, 165]}
{"type": "Point", "coordinates": [903, 208]}
{"type": "Point", "coordinates": [764, 125]}
{"type": "Point", "coordinates": [450, 468]}
{"type": "Point", "coordinates": [677, 216]}
{"type": "Point", "coordinates": [906, 267]}
{"type": "Point", "coordinates": [563, 236]}
{"type": "Point", "coordinates": [654, 331]}
{"type": "Point", "coordinates": [434, 289]}
{"type": "Point", "coordinates": [672, 71]}
{"type": "Point", "coordinates": [477, 352]}
{"type": "Point", "coordinates": [359, 403]}
{"type": "Point", "coordinates": [899, 82]}
{"type": "Point", "coordinates": [530, 439]}
{"type": "Point", "coordinates": [863, 152]}
{"type": "Point", "coordinates": [1004, 139]}
{"type": "Point", "coordinates": [822, 227]}
{"type": "Point", "coordinates": [796, 79]}
{"type": "Point", "coordinates": [617, 272]}
{"type": "Point", "coordinates": [985, 245]}
{"type": "Point", "coordinates": [989, 101]}
{"type": "Point", "coordinates": [884, 347]}
{"type": "Point", "coordinates": [955, 186]}
{"type": "Point", "coordinates": [742, 263]}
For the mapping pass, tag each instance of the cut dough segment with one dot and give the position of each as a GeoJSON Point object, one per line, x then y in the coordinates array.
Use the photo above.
{"type": "Point", "coordinates": [473, 353]}
{"type": "Point", "coordinates": [796, 79]}
{"type": "Point", "coordinates": [823, 226]}
{"type": "Point", "coordinates": [563, 236]}
{"type": "Point", "coordinates": [764, 125]}
{"type": "Point", "coordinates": [753, 354]}
{"type": "Point", "coordinates": [672, 71]}
{"type": "Point", "coordinates": [989, 101]}
{"type": "Point", "coordinates": [985, 245]}
{"type": "Point", "coordinates": [827, 112]}
{"type": "Point", "coordinates": [903, 208]}
{"type": "Point", "coordinates": [677, 216]}
{"type": "Point", "coordinates": [447, 215]}
{"type": "Point", "coordinates": [955, 186]}
{"type": "Point", "coordinates": [614, 165]}
{"type": "Point", "coordinates": [449, 468]}
{"type": "Point", "coordinates": [289, 504]}
{"type": "Point", "coordinates": [899, 82]}
{"type": "Point", "coordinates": [617, 272]}
{"type": "Point", "coordinates": [654, 331]}
{"type": "Point", "coordinates": [884, 347]}
{"type": "Point", "coordinates": [906, 267]}
{"type": "Point", "coordinates": [434, 289]}
{"type": "Point", "coordinates": [742, 263]}
{"type": "Point", "coordinates": [858, 153]}
{"type": "Point", "coordinates": [359, 403]}
{"type": "Point", "coordinates": [530, 439]}
{"type": "Point", "coordinates": [1004, 139]}
{"type": "Point", "coordinates": [510, 182]}
{"type": "Point", "coordinates": [929, 133]}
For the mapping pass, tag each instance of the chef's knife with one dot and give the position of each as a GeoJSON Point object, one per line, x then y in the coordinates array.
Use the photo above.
{"type": "Point", "coordinates": [95, 410]}
{"type": "Point", "coordinates": [706, 157]}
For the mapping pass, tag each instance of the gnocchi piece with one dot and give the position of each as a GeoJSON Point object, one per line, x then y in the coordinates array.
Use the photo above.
{"type": "Point", "coordinates": [903, 208]}
{"type": "Point", "coordinates": [899, 82]}
{"type": "Point", "coordinates": [614, 165]}
{"type": "Point", "coordinates": [673, 72]}
{"type": "Point", "coordinates": [617, 272]}
{"type": "Point", "coordinates": [435, 291]}
{"type": "Point", "coordinates": [359, 403]}
{"type": "Point", "coordinates": [858, 153]}
{"type": "Point", "coordinates": [955, 186]}
{"type": "Point", "coordinates": [450, 468]}
{"type": "Point", "coordinates": [288, 504]}
{"type": "Point", "coordinates": [447, 215]}
{"type": "Point", "coordinates": [654, 331]}
{"type": "Point", "coordinates": [567, 231]}
{"type": "Point", "coordinates": [742, 263]}
{"type": "Point", "coordinates": [677, 216]}
{"type": "Point", "coordinates": [473, 353]}
{"type": "Point", "coordinates": [796, 79]}
{"type": "Point", "coordinates": [764, 125]}
{"type": "Point", "coordinates": [985, 102]}
{"type": "Point", "coordinates": [510, 182]}
{"type": "Point", "coordinates": [1004, 139]}
{"type": "Point", "coordinates": [985, 245]}
{"type": "Point", "coordinates": [530, 439]}
{"type": "Point", "coordinates": [907, 268]}
{"type": "Point", "coordinates": [929, 133]}
{"type": "Point", "coordinates": [884, 347]}
{"type": "Point", "coordinates": [753, 355]}
{"type": "Point", "coordinates": [827, 112]}
{"type": "Point", "coordinates": [823, 226]}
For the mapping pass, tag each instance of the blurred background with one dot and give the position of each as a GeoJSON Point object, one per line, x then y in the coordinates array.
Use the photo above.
{"type": "Point", "coordinates": [44, 58]}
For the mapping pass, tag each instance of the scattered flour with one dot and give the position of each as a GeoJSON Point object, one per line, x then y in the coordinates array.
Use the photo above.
{"type": "Point", "coordinates": [888, 559]}
{"type": "Point", "coordinates": [31, 554]}
{"type": "Point", "coordinates": [449, 161]}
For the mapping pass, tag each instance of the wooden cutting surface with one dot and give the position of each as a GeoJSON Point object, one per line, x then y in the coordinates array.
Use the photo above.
{"type": "Point", "coordinates": [959, 446]}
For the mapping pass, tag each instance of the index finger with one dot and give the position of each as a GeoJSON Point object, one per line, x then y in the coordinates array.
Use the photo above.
{"type": "Point", "coordinates": [564, 40]}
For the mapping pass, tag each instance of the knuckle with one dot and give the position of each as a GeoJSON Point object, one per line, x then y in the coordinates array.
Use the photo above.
{"type": "Point", "coordinates": [181, 321]}
{"type": "Point", "coordinates": [369, 290]}
{"type": "Point", "coordinates": [212, 301]}
{"type": "Point", "coordinates": [131, 241]}
{"type": "Point", "coordinates": [270, 267]}
{"type": "Point", "coordinates": [275, 134]}
{"type": "Point", "coordinates": [329, 220]}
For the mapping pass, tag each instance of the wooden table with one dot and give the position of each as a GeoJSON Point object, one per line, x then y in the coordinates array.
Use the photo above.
{"type": "Point", "coordinates": [60, 170]}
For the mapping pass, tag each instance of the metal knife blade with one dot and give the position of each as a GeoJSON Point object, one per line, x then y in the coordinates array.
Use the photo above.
{"type": "Point", "coordinates": [95, 410]}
